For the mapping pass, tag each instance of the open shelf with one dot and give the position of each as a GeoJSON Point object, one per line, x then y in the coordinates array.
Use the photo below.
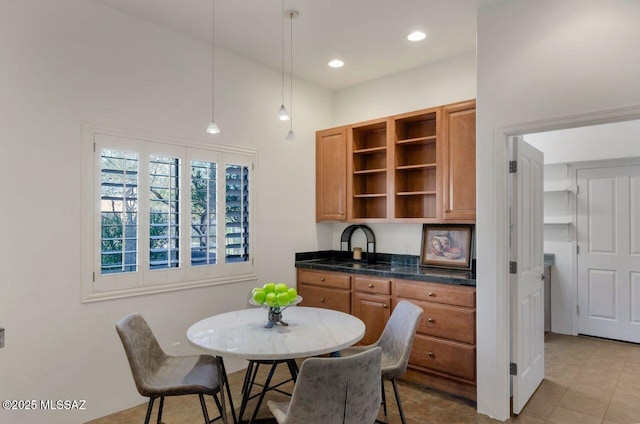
{"type": "Point", "coordinates": [369, 170]}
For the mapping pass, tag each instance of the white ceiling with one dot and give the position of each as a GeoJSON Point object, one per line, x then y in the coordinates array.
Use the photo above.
{"type": "Point", "coordinates": [368, 35]}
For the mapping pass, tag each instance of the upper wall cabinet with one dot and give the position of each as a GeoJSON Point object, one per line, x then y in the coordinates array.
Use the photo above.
{"type": "Point", "coordinates": [331, 174]}
{"type": "Point", "coordinates": [414, 167]}
{"type": "Point", "coordinates": [416, 139]}
{"type": "Point", "coordinates": [459, 162]}
{"type": "Point", "coordinates": [368, 160]}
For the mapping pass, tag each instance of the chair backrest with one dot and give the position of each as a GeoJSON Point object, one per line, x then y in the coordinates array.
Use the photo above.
{"type": "Point", "coordinates": [397, 338]}
{"type": "Point", "coordinates": [337, 390]}
{"type": "Point", "coordinates": [142, 348]}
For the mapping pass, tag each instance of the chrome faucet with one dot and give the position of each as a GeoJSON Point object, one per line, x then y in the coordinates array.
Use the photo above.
{"type": "Point", "coordinates": [371, 240]}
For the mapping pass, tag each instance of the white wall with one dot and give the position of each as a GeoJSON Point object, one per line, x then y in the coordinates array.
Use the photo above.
{"type": "Point", "coordinates": [537, 61]}
{"type": "Point", "coordinates": [597, 142]}
{"type": "Point", "coordinates": [70, 61]}
{"type": "Point", "coordinates": [447, 81]}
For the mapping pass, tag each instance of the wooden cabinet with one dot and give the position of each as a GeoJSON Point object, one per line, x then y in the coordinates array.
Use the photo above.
{"type": "Point", "coordinates": [459, 162]}
{"type": "Point", "coordinates": [416, 144]}
{"type": "Point", "coordinates": [367, 164]}
{"type": "Point", "coordinates": [444, 349]}
{"type": "Point", "coordinates": [414, 167]}
{"type": "Point", "coordinates": [328, 290]}
{"type": "Point", "coordinates": [372, 304]}
{"type": "Point", "coordinates": [331, 174]}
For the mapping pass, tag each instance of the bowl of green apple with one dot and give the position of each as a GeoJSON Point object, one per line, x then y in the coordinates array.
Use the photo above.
{"type": "Point", "coordinates": [276, 297]}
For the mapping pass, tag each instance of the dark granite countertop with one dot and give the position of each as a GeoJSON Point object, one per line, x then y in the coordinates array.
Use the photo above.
{"type": "Point", "coordinates": [385, 265]}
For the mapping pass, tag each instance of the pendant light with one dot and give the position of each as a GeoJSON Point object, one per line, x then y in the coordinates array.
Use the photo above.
{"type": "Point", "coordinates": [291, 14]}
{"type": "Point", "coordinates": [283, 115]}
{"type": "Point", "coordinates": [213, 127]}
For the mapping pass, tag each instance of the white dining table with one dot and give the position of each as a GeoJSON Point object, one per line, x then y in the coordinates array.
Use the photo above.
{"type": "Point", "coordinates": [242, 334]}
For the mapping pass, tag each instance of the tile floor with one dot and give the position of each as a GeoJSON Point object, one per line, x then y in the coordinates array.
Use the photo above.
{"type": "Point", "coordinates": [587, 380]}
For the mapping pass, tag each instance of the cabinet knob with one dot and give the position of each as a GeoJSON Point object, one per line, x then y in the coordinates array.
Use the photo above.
{"type": "Point", "coordinates": [430, 319]}
{"type": "Point", "coordinates": [447, 211]}
{"type": "Point", "coordinates": [321, 278]}
{"type": "Point", "coordinates": [430, 354]}
{"type": "Point", "coordinates": [385, 306]}
{"type": "Point", "coordinates": [370, 285]}
{"type": "Point", "coordinates": [321, 300]}
{"type": "Point", "coordinates": [432, 294]}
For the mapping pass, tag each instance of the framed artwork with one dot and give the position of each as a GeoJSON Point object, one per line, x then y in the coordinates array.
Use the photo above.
{"type": "Point", "coordinates": [446, 246]}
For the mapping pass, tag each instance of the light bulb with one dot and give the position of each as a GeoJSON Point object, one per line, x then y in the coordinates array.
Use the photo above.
{"type": "Point", "coordinates": [283, 115]}
{"type": "Point", "coordinates": [290, 136]}
{"type": "Point", "coordinates": [213, 128]}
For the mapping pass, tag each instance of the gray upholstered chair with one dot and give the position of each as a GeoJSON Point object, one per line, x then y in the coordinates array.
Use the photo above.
{"type": "Point", "coordinates": [334, 391]}
{"type": "Point", "coordinates": [396, 341]}
{"type": "Point", "coordinates": [157, 374]}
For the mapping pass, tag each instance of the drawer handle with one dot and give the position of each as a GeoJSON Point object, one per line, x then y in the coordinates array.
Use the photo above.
{"type": "Point", "coordinates": [385, 306]}
{"type": "Point", "coordinates": [430, 319]}
{"type": "Point", "coordinates": [321, 278]}
{"type": "Point", "coordinates": [370, 285]}
{"type": "Point", "coordinates": [322, 300]}
{"type": "Point", "coordinates": [432, 294]}
{"type": "Point", "coordinates": [431, 355]}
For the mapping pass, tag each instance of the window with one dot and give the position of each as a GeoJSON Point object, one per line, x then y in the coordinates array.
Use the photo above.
{"type": "Point", "coordinates": [156, 211]}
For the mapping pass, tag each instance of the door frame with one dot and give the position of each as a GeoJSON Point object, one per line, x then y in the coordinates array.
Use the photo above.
{"type": "Point", "coordinates": [493, 325]}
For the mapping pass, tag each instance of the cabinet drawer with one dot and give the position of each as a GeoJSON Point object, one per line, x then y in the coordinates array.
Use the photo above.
{"type": "Point", "coordinates": [444, 356]}
{"type": "Point", "coordinates": [320, 297]}
{"type": "Point", "coordinates": [435, 292]}
{"type": "Point", "coordinates": [372, 285]}
{"type": "Point", "coordinates": [326, 279]}
{"type": "Point", "coordinates": [449, 322]}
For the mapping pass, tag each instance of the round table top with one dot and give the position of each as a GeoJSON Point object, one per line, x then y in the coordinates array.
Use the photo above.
{"type": "Point", "coordinates": [242, 334]}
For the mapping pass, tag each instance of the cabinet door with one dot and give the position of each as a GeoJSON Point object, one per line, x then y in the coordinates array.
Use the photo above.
{"type": "Point", "coordinates": [374, 311]}
{"type": "Point", "coordinates": [331, 174]}
{"type": "Point", "coordinates": [459, 162]}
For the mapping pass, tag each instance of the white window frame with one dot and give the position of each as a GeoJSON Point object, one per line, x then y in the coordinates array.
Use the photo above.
{"type": "Point", "coordinates": [96, 286]}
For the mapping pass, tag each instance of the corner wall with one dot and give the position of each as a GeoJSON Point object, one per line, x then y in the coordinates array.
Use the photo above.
{"type": "Point", "coordinates": [447, 81]}
{"type": "Point", "coordinates": [537, 61]}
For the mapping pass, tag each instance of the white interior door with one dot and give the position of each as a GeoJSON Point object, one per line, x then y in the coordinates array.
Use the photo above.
{"type": "Point", "coordinates": [527, 288]}
{"type": "Point", "coordinates": [608, 227]}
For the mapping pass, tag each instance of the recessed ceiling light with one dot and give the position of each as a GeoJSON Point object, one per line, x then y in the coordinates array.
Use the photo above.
{"type": "Point", "coordinates": [336, 63]}
{"type": "Point", "coordinates": [416, 36]}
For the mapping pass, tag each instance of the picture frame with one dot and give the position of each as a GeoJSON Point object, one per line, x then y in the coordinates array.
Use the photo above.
{"type": "Point", "coordinates": [446, 246]}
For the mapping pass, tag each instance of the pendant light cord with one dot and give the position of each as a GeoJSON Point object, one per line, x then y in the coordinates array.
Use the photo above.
{"type": "Point", "coordinates": [291, 73]}
{"type": "Point", "coordinates": [213, 57]}
{"type": "Point", "coordinates": [282, 56]}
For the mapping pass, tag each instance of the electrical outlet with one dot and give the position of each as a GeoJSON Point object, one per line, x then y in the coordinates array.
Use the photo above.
{"type": "Point", "coordinates": [1, 337]}
{"type": "Point", "coordinates": [176, 348]}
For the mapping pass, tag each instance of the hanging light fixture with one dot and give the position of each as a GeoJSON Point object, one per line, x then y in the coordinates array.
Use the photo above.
{"type": "Point", "coordinates": [213, 127]}
{"type": "Point", "coordinates": [291, 14]}
{"type": "Point", "coordinates": [283, 115]}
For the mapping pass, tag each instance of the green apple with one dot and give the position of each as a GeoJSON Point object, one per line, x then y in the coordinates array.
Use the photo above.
{"type": "Point", "coordinates": [269, 287]}
{"type": "Point", "coordinates": [283, 299]}
{"type": "Point", "coordinates": [271, 300]}
{"type": "Point", "coordinates": [293, 294]}
{"type": "Point", "coordinates": [259, 296]}
{"type": "Point", "coordinates": [281, 288]}
{"type": "Point", "coordinates": [255, 289]}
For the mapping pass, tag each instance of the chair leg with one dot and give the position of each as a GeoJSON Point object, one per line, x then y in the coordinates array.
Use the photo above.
{"type": "Point", "coordinates": [204, 409]}
{"type": "Point", "coordinates": [149, 409]}
{"type": "Point", "coordinates": [384, 398]}
{"type": "Point", "coordinates": [395, 390]}
{"type": "Point", "coordinates": [226, 383]}
{"type": "Point", "coordinates": [160, 410]}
